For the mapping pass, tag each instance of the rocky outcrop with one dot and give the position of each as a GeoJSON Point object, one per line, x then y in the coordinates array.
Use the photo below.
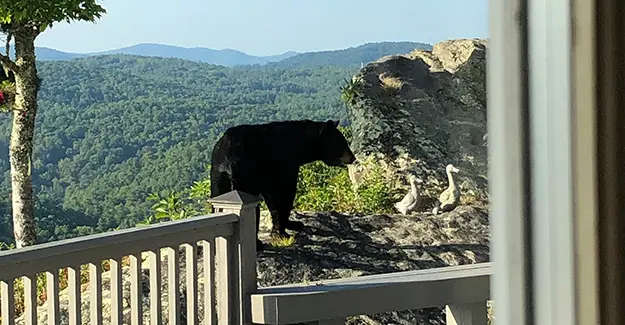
{"type": "Point", "coordinates": [419, 111]}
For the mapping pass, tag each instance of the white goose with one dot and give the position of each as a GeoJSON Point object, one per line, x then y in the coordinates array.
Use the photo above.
{"type": "Point", "coordinates": [451, 196]}
{"type": "Point", "coordinates": [411, 199]}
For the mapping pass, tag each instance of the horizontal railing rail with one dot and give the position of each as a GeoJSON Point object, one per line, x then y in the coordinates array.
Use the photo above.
{"type": "Point", "coordinates": [465, 287]}
{"type": "Point", "coordinates": [113, 244]}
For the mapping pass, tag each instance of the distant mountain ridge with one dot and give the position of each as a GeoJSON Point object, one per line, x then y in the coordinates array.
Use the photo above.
{"type": "Point", "coordinates": [361, 54]}
{"type": "Point", "coordinates": [225, 57]}
{"type": "Point", "coordinates": [228, 57]}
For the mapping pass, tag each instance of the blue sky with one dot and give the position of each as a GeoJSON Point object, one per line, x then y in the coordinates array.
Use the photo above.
{"type": "Point", "coordinates": [271, 26]}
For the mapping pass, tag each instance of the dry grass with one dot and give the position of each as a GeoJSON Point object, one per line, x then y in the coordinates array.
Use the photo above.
{"type": "Point", "coordinates": [473, 200]}
{"type": "Point", "coordinates": [390, 85]}
{"type": "Point", "coordinates": [282, 241]}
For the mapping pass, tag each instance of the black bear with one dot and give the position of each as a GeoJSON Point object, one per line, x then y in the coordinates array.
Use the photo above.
{"type": "Point", "coordinates": [264, 159]}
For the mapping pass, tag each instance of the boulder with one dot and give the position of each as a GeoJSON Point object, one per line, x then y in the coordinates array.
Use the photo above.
{"type": "Point", "coordinates": [418, 112]}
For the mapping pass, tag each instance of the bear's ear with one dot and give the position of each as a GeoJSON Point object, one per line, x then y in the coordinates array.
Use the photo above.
{"type": "Point", "coordinates": [334, 123]}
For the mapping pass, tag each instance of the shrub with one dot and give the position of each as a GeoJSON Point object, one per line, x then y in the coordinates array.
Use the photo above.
{"type": "Point", "coordinates": [324, 188]}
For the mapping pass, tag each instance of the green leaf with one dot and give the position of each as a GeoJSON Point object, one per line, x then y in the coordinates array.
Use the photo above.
{"type": "Point", "coordinates": [43, 13]}
{"type": "Point", "coordinates": [161, 215]}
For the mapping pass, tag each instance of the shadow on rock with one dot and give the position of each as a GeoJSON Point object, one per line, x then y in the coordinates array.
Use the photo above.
{"type": "Point", "coordinates": [335, 245]}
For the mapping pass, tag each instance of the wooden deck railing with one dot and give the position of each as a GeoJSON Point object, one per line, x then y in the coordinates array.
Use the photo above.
{"type": "Point", "coordinates": [227, 243]}
{"type": "Point", "coordinates": [221, 238]}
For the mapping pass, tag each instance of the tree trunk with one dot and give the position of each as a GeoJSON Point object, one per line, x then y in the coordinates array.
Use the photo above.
{"type": "Point", "coordinates": [22, 133]}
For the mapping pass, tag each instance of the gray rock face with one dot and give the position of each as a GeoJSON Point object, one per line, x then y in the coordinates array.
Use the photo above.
{"type": "Point", "coordinates": [337, 246]}
{"type": "Point", "coordinates": [421, 111]}
{"type": "Point", "coordinates": [341, 246]}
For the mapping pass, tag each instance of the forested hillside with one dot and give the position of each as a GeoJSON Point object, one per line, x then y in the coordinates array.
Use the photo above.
{"type": "Point", "coordinates": [113, 129]}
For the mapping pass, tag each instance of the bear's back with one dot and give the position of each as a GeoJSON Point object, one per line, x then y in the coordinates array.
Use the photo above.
{"type": "Point", "coordinates": [266, 144]}
{"type": "Point", "coordinates": [292, 133]}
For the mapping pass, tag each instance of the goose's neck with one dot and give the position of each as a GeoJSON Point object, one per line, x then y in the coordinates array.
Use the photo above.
{"type": "Point", "coordinates": [413, 187]}
{"type": "Point", "coordinates": [450, 179]}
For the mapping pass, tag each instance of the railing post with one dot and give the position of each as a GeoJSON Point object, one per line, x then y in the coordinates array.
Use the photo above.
{"type": "Point", "coordinates": [237, 274]}
{"type": "Point", "coordinates": [475, 313]}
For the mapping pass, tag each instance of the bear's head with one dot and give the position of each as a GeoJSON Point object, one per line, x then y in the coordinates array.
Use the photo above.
{"type": "Point", "coordinates": [334, 148]}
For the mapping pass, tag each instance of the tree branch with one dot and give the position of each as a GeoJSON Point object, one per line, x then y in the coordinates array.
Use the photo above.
{"type": "Point", "coordinates": [8, 63]}
{"type": "Point", "coordinates": [8, 44]}
{"type": "Point", "coordinates": [5, 59]}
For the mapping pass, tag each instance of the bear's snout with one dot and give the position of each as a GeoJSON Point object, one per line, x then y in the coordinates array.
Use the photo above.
{"type": "Point", "coordinates": [348, 158]}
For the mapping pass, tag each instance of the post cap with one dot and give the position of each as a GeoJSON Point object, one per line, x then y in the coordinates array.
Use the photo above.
{"type": "Point", "coordinates": [235, 197]}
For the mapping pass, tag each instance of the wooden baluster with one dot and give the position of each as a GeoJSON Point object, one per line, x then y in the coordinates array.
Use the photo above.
{"type": "Point", "coordinates": [208, 251]}
{"type": "Point", "coordinates": [173, 283]}
{"type": "Point", "coordinates": [95, 292]}
{"type": "Point", "coordinates": [52, 296]}
{"type": "Point", "coordinates": [191, 269]}
{"type": "Point", "coordinates": [117, 296]}
{"type": "Point", "coordinates": [156, 307]}
{"type": "Point", "coordinates": [136, 294]}
{"type": "Point", "coordinates": [7, 297]}
{"type": "Point", "coordinates": [74, 294]}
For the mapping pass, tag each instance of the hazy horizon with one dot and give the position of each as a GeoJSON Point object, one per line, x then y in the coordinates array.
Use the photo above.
{"type": "Point", "coordinates": [192, 47]}
{"type": "Point", "coordinates": [263, 29]}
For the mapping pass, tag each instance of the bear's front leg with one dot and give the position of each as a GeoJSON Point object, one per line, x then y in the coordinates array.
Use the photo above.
{"type": "Point", "coordinates": [278, 216]}
{"type": "Point", "coordinates": [278, 229]}
{"type": "Point", "coordinates": [294, 225]}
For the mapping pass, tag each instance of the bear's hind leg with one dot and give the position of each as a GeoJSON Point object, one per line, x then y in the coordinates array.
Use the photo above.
{"type": "Point", "coordinates": [280, 203]}
{"type": "Point", "coordinates": [280, 211]}
{"type": "Point", "coordinates": [277, 216]}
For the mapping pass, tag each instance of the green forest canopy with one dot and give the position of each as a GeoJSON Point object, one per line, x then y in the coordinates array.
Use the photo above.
{"type": "Point", "coordinates": [113, 129]}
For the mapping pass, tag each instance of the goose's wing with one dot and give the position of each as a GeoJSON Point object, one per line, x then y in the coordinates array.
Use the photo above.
{"type": "Point", "coordinates": [444, 197]}
{"type": "Point", "coordinates": [408, 199]}
{"type": "Point", "coordinates": [400, 207]}
{"type": "Point", "coordinates": [416, 199]}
